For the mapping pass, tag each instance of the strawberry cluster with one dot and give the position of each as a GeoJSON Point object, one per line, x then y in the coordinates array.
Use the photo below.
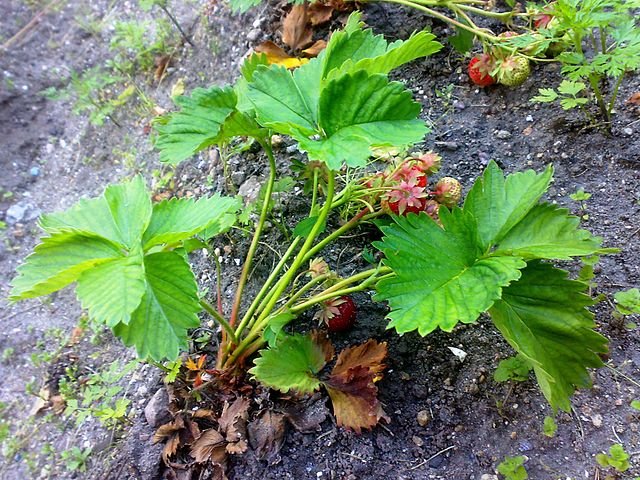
{"type": "Point", "coordinates": [403, 187]}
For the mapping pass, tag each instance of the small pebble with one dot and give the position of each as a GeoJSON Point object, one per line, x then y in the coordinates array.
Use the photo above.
{"type": "Point", "coordinates": [628, 131]}
{"type": "Point", "coordinates": [529, 118]}
{"type": "Point", "coordinates": [423, 418]}
{"type": "Point", "coordinates": [596, 420]}
{"type": "Point", "coordinates": [417, 440]}
{"type": "Point", "coordinates": [34, 172]}
{"type": "Point", "coordinates": [503, 134]}
{"type": "Point", "coordinates": [254, 35]}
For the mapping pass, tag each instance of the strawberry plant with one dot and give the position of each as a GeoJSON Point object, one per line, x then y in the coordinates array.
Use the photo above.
{"type": "Point", "coordinates": [601, 43]}
{"type": "Point", "coordinates": [442, 264]}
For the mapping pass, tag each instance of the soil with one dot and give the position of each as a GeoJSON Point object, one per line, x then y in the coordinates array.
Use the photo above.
{"type": "Point", "coordinates": [52, 157]}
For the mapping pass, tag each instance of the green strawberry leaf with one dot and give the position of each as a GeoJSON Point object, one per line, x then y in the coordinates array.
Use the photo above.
{"type": "Point", "coordinates": [549, 232]}
{"type": "Point", "coordinates": [628, 301]}
{"type": "Point", "coordinates": [348, 52]}
{"type": "Point", "coordinates": [241, 6]}
{"type": "Point", "coordinates": [279, 102]}
{"type": "Point", "coordinates": [440, 278]}
{"type": "Point", "coordinates": [58, 261]}
{"type": "Point", "coordinates": [158, 327]}
{"type": "Point", "coordinates": [176, 220]}
{"type": "Point", "coordinates": [498, 204]}
{"type": "Point", "coordinates": [361, 111]}
{"type": "Point", "coordinates": [544, 317]}
{"type": "Point", "coordinates": [205, 119]}
{"type": "Point", "coordinates": [292, 364]}
{"type": "Point", "coordinates": [119, 215]}
{"type": "Point", "coordinates": [111, 291]}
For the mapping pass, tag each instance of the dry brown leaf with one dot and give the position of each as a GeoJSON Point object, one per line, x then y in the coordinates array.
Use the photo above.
{"type": "Point", "coordinates": [315, 49]}
{"type": "Point", "coordinates": [352, 388]}
{"type": "Point", "coordinates": [319, 337]}
{"type": "Point", "coordinates": [308, 417]}
{"type": "Point", "coordinates": [58, 404]}
{"type": "Point", "coordinates": [266, 434]}
{"type": "Point", "coordinates": [319, 13]}
{"type": "Point", "coordinates": [210, 446]}
{"type": "Point", "coordinates": [277, 56]}
{"type": "Point", "coordinates": [369, 355]}
{"type": "Point", "coordinates": [296, 32]}
{"type": "Point", "coordinates": [527, 131]}
{"type": "Point", "coordinates": [233, 424]}
{"type": "Point", "coordinates": [181, 431]}
{"type": "Point", "coordinates": [204, 413]}
{"type": "Point", "coordinates": [161, 63]}
{"type": "Point", "coordinates": [355, 399]}
{"type": "Point", "coordinates": [634, 99]}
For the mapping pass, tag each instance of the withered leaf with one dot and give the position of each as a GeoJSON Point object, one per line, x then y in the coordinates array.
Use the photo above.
{"type": "Point", "coordinates": [315, 49]}
{"type": "Point", "coordinates": [210, 446]}
{"type": "Point", "coordinates": [319, 337]}
{"type": "Point", "coordinates": [266, 434]}
{"type": "Point", "coordinates": [181, 431]}
{"type": "Point", "coordinates": [355, 399]}
{"type": "Point", "coordinates": [309, 416]}
{"type": "Point", "coordinates": [634, 99]}
{"type": "Point", "coordinates": [351, 385]}
{"type": "Point", "coordinates": [277, 56]}
{"type": "Point", "coordinates": [369, 355]}
{"type": "Point", "coordinates": [319, 13]}
{"type": "Point", "coordinates": [233, 425]}
{"type": "Point", "coordinates": [296, 32]}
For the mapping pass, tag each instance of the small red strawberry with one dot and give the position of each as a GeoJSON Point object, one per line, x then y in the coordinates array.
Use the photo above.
{"type": "Point", "coordinates": [513, 71]}
{"type": "Point", "coordinates": [448, 191]}
{"type": "Point", "coordinates": [407, 197]}
{"type": "Point", "coordinates": [339, 314]}
{"type": "Point", "coordinates": [542, 21]}
{"type": "Point", "coordinates": [480, 68]}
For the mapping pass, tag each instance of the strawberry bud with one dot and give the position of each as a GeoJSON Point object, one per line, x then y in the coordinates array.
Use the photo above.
{"type": "Point", "coordinates": [448, 191]}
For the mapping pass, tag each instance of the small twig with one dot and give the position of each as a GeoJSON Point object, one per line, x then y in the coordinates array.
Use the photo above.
{"type": "Point", "coordinates": [30, 25]}
{"type": "Point", "coordinates": [615, 434]}
{"type": "Point", "coordinates": [444, 450]}
{"type": "Point", "coordinates": [573, 410]}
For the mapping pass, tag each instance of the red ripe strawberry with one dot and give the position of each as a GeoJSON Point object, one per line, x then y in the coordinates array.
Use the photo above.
{"type": "Point", "coordinates": [480, 68]}
{"type": "Point", "coordinates": [339, 314]}
{"type": "Point", "coordinates": [408, 197]}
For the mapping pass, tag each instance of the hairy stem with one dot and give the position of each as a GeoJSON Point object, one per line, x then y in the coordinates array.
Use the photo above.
{"type": "Point", "coordinates": [210, 309]}
{"type": "Point", "coordinates": [257, 325]}
{"type": "Point", "coordinates": [256, 235]}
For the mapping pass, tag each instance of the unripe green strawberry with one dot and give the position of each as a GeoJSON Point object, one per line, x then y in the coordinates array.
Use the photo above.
{"type": "Point", "coordinates": [513, 71]}
{"type": "Point", "coordinates": [448, 191]}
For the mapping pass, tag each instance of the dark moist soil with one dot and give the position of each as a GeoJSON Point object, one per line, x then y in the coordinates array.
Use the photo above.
{"type": "Point", "coordinates": [52, 157]}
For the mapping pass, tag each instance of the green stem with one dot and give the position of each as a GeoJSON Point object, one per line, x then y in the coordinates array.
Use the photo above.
{"type": "Point", "coordinates": [502, 16]}
{"type": "Point", "coordinates": [305, 288]}
{"type": "Point", "coordinates": [257, 326]}
{"type": "Point", "coordinates": [256, 343]}
{"type": "Point", "coordinates": [314, 197]}
{"type": "Point", "coordinates": [260, 297]}
{"type": "Point", "coordinates": [363, 215]}
{"type": "Point", "coordinates": [340, 289]}
{"type": "Point", "coordinates": [614, 95]}
{"type": "Point", "coordinates": [219, 318]}
{"type": "Point", "coordinates": [594, 80]}
{"type": "Point", "coordinates": [256, 235]}
{"type": "Point", "coordinates": [440, 16]}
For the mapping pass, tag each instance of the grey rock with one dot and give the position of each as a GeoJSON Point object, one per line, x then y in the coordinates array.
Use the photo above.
{"type": "Point", "coordinates": [249, 189]}
{"type": "Point", "coordinates": [157, 410]}
{"type": "Point", "coordinates": [628, 131]}
{"type": "Point", "coordinates": [21, 212]}
{"type": "Point", "coordinates": [254, 34]}
{"type": "Point", "coordinates": [503, 134]}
